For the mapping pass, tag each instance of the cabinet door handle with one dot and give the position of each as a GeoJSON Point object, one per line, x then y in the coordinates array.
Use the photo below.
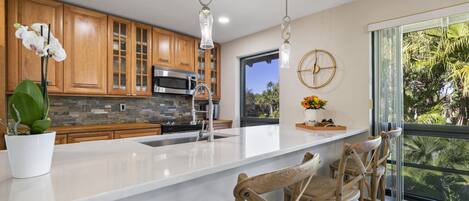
{"type": "Point", "coordinates": [163, 60]}
{"type": "Point", "coordinates": [184, 63]}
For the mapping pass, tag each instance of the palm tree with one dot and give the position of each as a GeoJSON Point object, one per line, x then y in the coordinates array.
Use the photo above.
{"type": "Point", "coordinates": [436, 65]}
{"type": "Point", "coordinates": [422, 150]}
{"type": "Point", "coordinates": [270, 99]}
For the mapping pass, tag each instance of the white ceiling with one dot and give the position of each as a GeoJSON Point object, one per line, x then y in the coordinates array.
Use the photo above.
{"type": "Point", "coordinates": [246, 16]}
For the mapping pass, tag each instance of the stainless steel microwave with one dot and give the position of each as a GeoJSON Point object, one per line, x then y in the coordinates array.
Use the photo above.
{"type": "Point", "coordinates": [171, 81]}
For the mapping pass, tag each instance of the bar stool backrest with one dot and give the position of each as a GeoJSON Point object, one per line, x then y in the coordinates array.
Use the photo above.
{"type": "Point", "coordinates": [250, 188]}
{"type": "Point", "coordinates": [363, 154]}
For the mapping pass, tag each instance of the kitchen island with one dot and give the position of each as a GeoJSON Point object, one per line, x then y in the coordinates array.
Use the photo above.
{"type": "Point", "coordinates": [129, 170]}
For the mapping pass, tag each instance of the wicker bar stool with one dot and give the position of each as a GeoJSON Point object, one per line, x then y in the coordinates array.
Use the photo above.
{"type": "Point", "coordinates": [376, 171]}
{"type": "Point", "coordinates": [250, 188]}
{"type": "Point", "coordinates": [339, 189]}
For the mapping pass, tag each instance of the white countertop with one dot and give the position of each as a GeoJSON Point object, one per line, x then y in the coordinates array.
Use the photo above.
{"type": "Point", "coordinates": [113, 169]}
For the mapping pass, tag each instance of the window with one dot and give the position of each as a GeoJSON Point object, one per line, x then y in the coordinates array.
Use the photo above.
{"type": "Point", "coordinates": [260, 89]}
{"type": "Point", "coordinates": [435, 61]}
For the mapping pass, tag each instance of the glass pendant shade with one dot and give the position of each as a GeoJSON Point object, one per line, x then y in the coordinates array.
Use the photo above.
{"type": "Point", "coordinates": [285, 50]}
{"type": "Point", "coordinates": [206, 24]}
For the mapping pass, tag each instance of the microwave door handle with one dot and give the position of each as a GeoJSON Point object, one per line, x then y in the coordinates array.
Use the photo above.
{"type": "Point", "coordinates": [189, 83]}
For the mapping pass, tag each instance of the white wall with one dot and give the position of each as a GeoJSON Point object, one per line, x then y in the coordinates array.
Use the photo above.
{"type": "Point", "coordinates": [341, 31]}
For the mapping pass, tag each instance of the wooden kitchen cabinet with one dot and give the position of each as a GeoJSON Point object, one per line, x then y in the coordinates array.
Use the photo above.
{"type": "Point", "coordinates": [136, 133]}
{"type": "Point", "coordinates": [85, 41]}
{"type": "Point", "coordinates": [83, 133]}
{"type": "Point", "coordinates": [207, 67]}
{"type": "Point", "coordinates": [119, 56]}
{"type": "Point", "coordinates": [141, 59]}
{"type": "Point", "coordinates": [92, 136]}
{"type": "Point", "coordinates": [23, 63]}
{"type": "Point", "coordinates": [61, 139]}
{"type": "Point", "coordinates": [184, 52]}
{"type": "Point", "coordinates": [163, 47]}
{"type": "Point", "coordinates": [200, 69]}
{"type": "Point", "coordinates": [222, 124]}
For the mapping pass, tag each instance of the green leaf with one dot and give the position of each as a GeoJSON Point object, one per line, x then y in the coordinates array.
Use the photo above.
{"type": "Point", "coordinates": [40, 126]}
{"type": "Point", "coordinates": [27, 107]}
{"type": "Point", "coordinates": [32, 89]}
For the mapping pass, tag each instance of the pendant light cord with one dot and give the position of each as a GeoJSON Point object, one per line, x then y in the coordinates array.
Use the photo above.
{"type": "Point", "coordinates": [286, 24]}
{"type": "Point", "coordinates": [286, 7]}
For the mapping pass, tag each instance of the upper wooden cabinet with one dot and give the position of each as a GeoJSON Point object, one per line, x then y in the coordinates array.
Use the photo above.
{"type": "Point", "coordinates": [23, 63]}
{"type": "Point", "coordinates": [173, 50]}
{"type": "Point", "coordinates": [184, 52]}
{"type": "Point", "coordinates": [119, 56]}
{"type": "Point", "coordinates": [85, 36]}
{"type": "Point", "coordinates": [106, 55]}
{"type": "Point", "coordinates": [207, 67]}
{"type": "Point", "coordinates": [141, 59]}
{"type": "Point", "coordinates": [163, 47]}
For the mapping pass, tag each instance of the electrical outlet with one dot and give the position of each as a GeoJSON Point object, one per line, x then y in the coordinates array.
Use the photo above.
{"type": "Point", "coordinates": [122, 107]}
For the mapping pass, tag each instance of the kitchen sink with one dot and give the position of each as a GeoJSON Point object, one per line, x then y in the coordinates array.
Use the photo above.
{"type": "Point", "coordinates": [179, 140]}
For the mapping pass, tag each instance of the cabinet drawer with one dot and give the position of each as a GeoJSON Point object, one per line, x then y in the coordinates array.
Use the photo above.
{"type": "Point", "coordinates": [84, 137]}
{"type": "Point", "coordinates": [61, 139]}
{"type": "Point", "coordinates": [222, 125]}
{"type": "Point", "coordinates": [136, 133]}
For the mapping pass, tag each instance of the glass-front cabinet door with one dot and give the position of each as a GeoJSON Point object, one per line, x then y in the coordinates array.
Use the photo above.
{"type": "Point", "coordinates": [119, 56]}
{"type": "Point", "coordinates": [141, 59]}
{"type": "Point", "coordinates": [208, 70]}
{"type": "Point", "coordinates": [200, 66]}
{"type": "Point", "coordinates": [215, 71]}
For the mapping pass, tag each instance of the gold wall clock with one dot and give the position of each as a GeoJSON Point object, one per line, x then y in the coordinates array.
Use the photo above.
{"type": "Point", "coordinates": [316, 68]}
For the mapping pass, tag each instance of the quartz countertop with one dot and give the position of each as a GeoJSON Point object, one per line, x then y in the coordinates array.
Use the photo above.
{"type": "Point", "coordinates": [114, 169]}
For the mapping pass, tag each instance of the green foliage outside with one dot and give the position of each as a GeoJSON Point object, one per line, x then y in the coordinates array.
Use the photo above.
{"type": "Point", "coordinates": [265, 104]}
{"type": "Point", "coordinates": [436, 91]}
{"type": "Point", "coordinates": [436, 75]}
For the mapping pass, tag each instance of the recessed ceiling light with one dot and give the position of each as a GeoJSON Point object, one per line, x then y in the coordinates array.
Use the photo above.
{"type": "Point", "coordinates": [223, 20]}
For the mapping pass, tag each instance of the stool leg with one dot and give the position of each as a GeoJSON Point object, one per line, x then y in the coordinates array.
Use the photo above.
{"type": "Point", "coordinates": [361, 186]}
{"type": "Point", "coordinates": [382, 187]}
{"type": "Point", "coordinates": [375, 185]}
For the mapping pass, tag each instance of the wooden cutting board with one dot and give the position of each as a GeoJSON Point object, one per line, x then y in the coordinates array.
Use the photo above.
{"type": "Point", "coordinates": [321, 128]}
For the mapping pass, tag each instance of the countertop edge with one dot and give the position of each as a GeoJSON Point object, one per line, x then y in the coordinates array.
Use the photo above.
{"type": "Point", "coordinates": [154, 185]}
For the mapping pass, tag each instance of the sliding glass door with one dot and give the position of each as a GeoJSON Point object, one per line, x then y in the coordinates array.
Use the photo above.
{"type": "Point", "coordinates": [421, 74]}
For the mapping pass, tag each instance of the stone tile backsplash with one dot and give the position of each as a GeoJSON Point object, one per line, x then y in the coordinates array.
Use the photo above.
{"type": "Point", "coordinates": [67, 110]}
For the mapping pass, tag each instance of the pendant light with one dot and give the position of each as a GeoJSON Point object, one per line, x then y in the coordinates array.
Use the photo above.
{"type": "Point", "coordinates": [285, 48]}
{"type": "Point", "coordinates": [206, 24]}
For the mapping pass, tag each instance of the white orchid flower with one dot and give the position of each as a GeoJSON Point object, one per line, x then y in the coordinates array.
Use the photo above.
{"type": "Point", "coordinates": [37, 42]}
{"type": "Point", "coordinates": [32, 41]}
{"type": "Point", "coordinates": [56, 51]}
{"type": "Point", "coordinates": [20, 30]}
{"type": "Point", "coordinates": [59, 55]}
{"type": "Point", "coordinates": [37, 28]}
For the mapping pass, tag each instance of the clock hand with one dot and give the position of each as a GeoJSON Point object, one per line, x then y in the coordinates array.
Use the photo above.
{"type": "Point", "coordinates": [315, 61]}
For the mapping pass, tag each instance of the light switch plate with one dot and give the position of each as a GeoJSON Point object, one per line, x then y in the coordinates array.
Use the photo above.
{"type": "Point", "coordinates": [122, 107]}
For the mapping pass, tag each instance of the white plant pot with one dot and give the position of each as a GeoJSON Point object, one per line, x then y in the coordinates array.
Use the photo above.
{"type": "Point", "coordinates": [30, 155]}
{"type": "Point", "coordinates": [311, 116]}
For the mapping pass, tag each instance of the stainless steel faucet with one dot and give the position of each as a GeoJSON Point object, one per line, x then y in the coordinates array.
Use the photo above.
{"type": "Point", "coordinates": [209, 131]}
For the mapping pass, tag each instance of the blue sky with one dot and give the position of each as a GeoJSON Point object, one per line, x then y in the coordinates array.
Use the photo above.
{"type": "Point", "coordinates": [260, 74]}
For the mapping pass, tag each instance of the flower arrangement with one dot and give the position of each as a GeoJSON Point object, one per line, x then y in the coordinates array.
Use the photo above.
{"type": "Point", "coordinates": [313, 102]}
{"type": "Point", "coordinates": [29, 104]}
{"type": "Point", "coordinates": [30, 149]}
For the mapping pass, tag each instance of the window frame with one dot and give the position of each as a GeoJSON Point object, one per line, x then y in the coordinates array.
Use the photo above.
{"type": "Point", "coordinates": [244, 120]}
